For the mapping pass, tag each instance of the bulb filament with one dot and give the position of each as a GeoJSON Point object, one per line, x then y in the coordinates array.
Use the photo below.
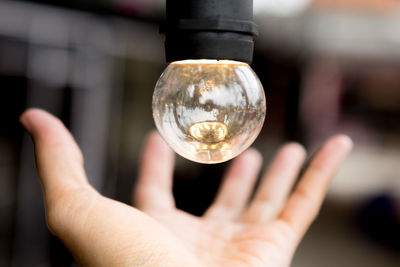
{"type": "Point", "coordinates": [208, 131]}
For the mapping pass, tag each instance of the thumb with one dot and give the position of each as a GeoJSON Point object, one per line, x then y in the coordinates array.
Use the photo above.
{"type": "Point", "coordinates": [97, 230]}
{"type": "Point", "coordinates": [58, 158]}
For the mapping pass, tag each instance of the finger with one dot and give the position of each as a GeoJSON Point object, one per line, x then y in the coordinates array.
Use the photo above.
{"type": "Point", "coordinates": [236, 186]}
{"type": "Point", "coordinates": [154, 188]}
{"type": "Point", "coordinates": [276, 184]}
{"type": "Point", "coordinates": [58, 158]}
{"type": "Point", "coordinates": [305, 202]}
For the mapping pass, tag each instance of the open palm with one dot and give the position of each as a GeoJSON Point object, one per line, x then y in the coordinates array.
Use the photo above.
{"type": "Point", "coordinates": [233, 231]}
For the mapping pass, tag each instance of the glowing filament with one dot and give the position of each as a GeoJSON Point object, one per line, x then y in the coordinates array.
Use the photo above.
{"type": "Point", "coordinates": [208, 131]}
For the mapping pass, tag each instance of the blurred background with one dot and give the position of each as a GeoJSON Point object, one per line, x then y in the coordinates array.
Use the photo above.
{"type": "Point", "coordinates": [327, 66]}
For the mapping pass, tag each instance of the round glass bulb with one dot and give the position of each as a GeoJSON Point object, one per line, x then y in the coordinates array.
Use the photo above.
{"type": "Point", "coordinates": [209, 111]}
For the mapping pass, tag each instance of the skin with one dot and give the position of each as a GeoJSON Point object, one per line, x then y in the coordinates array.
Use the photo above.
{"type": "Point", "coordinates": [234, 231]}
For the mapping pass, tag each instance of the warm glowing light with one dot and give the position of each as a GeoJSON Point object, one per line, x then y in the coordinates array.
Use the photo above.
{"type": "Point", "coordinates": [208, 131]}
{"type": "Point", "coordinates": [209, 111]}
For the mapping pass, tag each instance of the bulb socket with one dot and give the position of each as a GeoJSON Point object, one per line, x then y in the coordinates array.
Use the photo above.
{"type": "Point", "coordinates": [209, 29]}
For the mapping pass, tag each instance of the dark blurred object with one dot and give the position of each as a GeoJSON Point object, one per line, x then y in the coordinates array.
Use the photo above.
{"type": "Point", "coordinates": [380, 220]}
{"type": "Point", "coordinates": [139, 9]}
{"type": "Point", "coordinates": [12, 103]}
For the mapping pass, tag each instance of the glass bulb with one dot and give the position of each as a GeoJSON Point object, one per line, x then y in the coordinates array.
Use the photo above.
{"type": "Point", "coordinates": [209, 111]}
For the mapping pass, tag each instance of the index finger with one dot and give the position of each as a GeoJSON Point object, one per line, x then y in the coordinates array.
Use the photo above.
{"type": "Point", "coordinates": [154, 187]}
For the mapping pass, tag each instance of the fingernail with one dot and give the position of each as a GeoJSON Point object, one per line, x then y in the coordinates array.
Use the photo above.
{"type": "Point", "coordinates": [346, 141]}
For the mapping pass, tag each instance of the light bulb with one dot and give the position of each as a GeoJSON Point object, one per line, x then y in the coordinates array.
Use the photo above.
{"type": "Point", "coordinates": [209, 111]}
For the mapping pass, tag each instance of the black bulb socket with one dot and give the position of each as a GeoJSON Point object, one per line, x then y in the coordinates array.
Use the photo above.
{"type": "Point", "coordinates": [209, 29]}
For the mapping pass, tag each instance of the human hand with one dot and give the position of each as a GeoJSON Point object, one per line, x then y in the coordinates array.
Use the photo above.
{"type": "Point", "coordinates": [103, 232]}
